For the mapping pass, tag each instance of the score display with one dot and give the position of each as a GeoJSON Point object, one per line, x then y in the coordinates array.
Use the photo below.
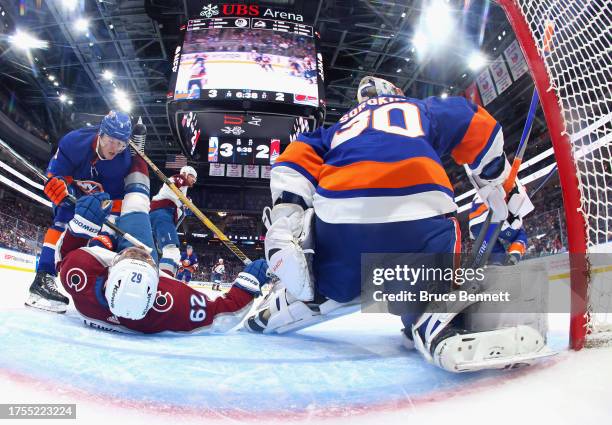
{"type": "Point", "coordinates": [240, 151]}
{"type": "Point", "coordinates": [236, 138]}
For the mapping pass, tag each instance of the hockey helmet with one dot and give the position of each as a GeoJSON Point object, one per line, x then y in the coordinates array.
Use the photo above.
{"type": "Point", "coordinates": [189, 170]}
{"type": "Point", "coordinates": [117, 125]}
{"type": "Point", "coordinates": [370, 87]}
{"type": "Point", "coordinates": [132, 282]}
{"type": "Point", "coordinates": [220, 260]}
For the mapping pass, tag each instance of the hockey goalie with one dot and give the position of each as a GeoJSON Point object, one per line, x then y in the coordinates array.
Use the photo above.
{"type": "Point", "coordinates": [374, 183]}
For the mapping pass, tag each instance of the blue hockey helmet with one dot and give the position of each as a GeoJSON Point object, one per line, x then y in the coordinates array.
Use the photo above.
{"type": "Point", "coordinates": [117, 125]}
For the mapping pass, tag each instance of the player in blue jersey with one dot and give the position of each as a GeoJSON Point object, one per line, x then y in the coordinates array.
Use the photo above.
{"type": "Point", "coordinates": [374, 183]}
{"type": "Point", "coordinates": [88, 160]}
{"type": "Point", "coordinates": [189, 264]}
{"type": "Point", "coordinates": [511, 245]}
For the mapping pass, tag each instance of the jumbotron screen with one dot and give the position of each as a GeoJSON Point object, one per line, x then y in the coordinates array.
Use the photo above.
{"type": "Point", "coordinates": [229, 58]}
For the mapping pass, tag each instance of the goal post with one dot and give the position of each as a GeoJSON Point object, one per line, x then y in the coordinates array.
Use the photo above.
{"type": "Point", "coordinates": [574, 84]}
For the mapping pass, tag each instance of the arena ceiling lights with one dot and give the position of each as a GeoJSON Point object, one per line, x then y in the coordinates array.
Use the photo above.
{"type": "Point", "coordinates": [24, 41]}
{"type": "Point", "coordinates": [436, 24]}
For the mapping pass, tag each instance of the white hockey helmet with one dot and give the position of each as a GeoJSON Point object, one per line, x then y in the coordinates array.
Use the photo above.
{"type": "Point", "coordinates": [370, 87]}
{"type": "Point", "coordinates": [131, 286]}
{"type": "Point", "coordinates": [220, 260]}
{"type": "Point", "coordinates": [189, 170]}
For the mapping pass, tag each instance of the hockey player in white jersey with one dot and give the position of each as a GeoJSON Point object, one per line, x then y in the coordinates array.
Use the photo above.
{"type": "Point", "coordinates": [374, 183]}
{"type": "Point", "coordinates": [166, 212]}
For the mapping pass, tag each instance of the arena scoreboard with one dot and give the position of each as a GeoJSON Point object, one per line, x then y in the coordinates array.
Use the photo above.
{"type": "Point", "coordinates": [257, 63]}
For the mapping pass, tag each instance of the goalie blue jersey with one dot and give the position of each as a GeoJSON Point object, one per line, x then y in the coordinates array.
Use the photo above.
{"type": "Point", "coordinates": [382, 162]}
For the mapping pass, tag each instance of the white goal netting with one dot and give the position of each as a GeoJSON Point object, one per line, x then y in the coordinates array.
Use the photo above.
{"type": "Point", "coordinates": [579, 68]}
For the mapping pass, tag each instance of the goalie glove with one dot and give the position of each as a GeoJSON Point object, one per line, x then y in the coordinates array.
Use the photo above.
{"type": "Point", "coordinates": [288, 240]}
{"type": "Point", "coordinates": [489, 185]}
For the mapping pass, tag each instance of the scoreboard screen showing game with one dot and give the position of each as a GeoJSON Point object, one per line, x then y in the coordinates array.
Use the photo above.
{"type": "Point", "coordinates": [244, 73]}
{"type": "Point", "coordinates": [227, 58]}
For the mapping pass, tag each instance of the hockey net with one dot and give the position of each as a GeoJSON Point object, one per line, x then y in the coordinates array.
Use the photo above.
{"type": "Point", "coordinates": [574, 80]}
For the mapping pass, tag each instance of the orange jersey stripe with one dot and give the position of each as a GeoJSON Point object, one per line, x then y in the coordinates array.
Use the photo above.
{"type": "Point", "coordinates": [304, 155]}
{"type": "Point", "coordinates": [476, 137]}
{"type": "Point", "coordinates": [52, 236]}
{"type": "Point", "coordinates": [481, 209]}
{"type": "Point", "coordinates": [392, 175]}
{"type": "Point", "coordinates": [517, 247]}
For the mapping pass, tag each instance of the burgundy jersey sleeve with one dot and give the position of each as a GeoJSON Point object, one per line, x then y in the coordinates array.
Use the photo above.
{"type": "Point", "coordinates": [82, 275]}
{"type": "Point", "coordinates": [180, 308]}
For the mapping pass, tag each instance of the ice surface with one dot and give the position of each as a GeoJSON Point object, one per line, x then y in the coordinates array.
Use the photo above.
{"type": "Point", "coordinates": [353, 368]}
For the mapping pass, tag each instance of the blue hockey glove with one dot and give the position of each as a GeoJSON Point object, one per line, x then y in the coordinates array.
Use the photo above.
{"type": "Point", "coordinates": [89, 214]}
{"type": "Point", "coordinates": [253, 277]}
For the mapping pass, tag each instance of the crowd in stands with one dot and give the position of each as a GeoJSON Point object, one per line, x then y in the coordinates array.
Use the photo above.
{"type": "Point", "coordinates": [22, 225]}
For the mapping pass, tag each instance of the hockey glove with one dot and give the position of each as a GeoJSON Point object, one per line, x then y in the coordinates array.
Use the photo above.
{"type": "Point", "coordinates": [56, 190]}
{"type": "Point", "coordinates": [489, 184]}
{"type": "Point", "coordinates": [253, 277]}
{"type": "Point", "coordinates": [89, 215]}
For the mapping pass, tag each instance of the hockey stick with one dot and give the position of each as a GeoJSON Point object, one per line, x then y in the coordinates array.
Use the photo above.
{"type": "Point", "coordinates": [490, 230]}
{"type": "Point", "coordinates": [546, 179]}
{"type": "Point", "coordinates": [224, 239]}
{"type": "Point", "coordinates": [131, 239]}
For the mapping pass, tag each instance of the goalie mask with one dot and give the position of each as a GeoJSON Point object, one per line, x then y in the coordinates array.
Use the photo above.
{"type": "Point", "coordinates": [132, 284]}
{"type": "Point", "coordinates": [370, 87]}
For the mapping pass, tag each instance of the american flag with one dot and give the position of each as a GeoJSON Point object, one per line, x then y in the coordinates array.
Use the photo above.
{"type": "Point", "coordinates": [175, 161]}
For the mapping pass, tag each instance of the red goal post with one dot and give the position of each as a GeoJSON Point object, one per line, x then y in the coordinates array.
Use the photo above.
{"type": "Point", "coordinates": [581, 142]}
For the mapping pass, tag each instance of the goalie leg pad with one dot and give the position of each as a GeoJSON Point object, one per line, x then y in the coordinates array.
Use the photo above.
{"type": "Point", "coordinates": [507, 348]}
{"type": "Point", "coordinates": [288, 261]}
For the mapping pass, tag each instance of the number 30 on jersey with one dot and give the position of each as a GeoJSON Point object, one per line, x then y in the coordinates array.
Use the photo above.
{"type": "Point", "coordinates": [380, 119]}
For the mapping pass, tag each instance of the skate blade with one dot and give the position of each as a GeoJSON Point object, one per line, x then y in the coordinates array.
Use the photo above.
{"type": "Point", "coordinates": [40, 303]}
{"type": "Point", "coordinates": [513, 362]}
{"type": "Point", "coordinates": [315, 319]}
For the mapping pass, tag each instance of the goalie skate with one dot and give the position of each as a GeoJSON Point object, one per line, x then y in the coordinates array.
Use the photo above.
{"type": "Point", "coordinates": [508, 348]}
{"type": "Point", "coordinates": [281, 313]}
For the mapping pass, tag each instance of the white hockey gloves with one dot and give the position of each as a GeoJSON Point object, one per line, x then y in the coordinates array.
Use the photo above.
{"type": "Point", "coordinates": [491, 191]}
{"type": "Point", "coordinates": [288, 240]}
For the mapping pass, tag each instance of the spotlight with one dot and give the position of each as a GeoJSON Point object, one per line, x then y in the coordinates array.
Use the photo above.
{"type": "Point", "coordinates": [24, 41]}
{"type": "Point", "coordinates": [63, 98]}
{"type": "Point", "coordinates": [476, 61]}
{"type": "Point", "coordinates": [81, 25]}
{"type": "Point", "coordinates": [108, 75]}
{"type": "Point", "coordinates": [70, 4]}
{"type": "Point", "coordinates": [438, 21]}
{"type": "Point", "coordinates": [420, 42]}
